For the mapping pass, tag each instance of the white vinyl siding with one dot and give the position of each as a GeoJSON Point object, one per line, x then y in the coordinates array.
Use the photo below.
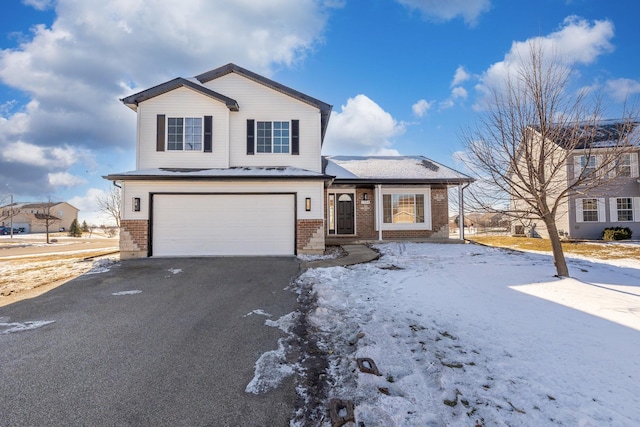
{"type": "Point", "coordinates": [262, 104]}
{"type": "Point", "coordinates": [182, 102]}
{"type": "Point", "coordinates": [585, 210]}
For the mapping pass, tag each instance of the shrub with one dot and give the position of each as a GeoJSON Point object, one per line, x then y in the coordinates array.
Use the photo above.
{"type": "Point", "coordinates": [74, 229]}
{"type": "Point", "coordinates": [616, 233]}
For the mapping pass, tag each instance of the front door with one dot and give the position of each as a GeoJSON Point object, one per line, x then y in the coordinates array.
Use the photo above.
{"type": "Point", "coordinates": [345, 214]}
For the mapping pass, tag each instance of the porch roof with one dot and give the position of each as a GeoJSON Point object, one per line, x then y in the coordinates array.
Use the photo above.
{"type": "Point", "coordinates": [391, 170]}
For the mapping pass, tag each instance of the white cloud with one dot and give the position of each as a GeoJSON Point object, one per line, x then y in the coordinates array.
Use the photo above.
{"type": "Point", "coordinates": [97, 51]}
{"type": "Point", "coordinates": [362, 127]}
{"type": "Point", "coordinates": [459, 92]}
{"type": "Point", "coordinates": [65, 179]}
{"type": "Point", "coordinates": [421, 107]}
{"type": "Point", "coordinates": [621, 89]}
{"type": "Point", "coordinates": [447, 10]}
{"type": "Point", "coordinates": [577, 42]}
{"type": "Point", "coordinates": [39, 4]}
{"type": "Point", "coordinates": [460, 76]}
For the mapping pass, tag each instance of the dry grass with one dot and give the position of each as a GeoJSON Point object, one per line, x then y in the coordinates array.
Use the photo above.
{"type": "Point", "coordinates": [30, 272]}
{"type": "Point", "coordinates": [599, 250]}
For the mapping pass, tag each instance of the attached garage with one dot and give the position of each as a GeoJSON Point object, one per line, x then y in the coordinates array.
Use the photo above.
{"type": "Point", "coordinates": [223, 224]}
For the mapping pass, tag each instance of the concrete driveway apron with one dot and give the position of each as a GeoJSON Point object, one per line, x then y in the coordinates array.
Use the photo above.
{"type": "Point", "coordinates": [151, 342]}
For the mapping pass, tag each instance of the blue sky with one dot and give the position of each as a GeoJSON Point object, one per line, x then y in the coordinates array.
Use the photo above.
{"type": "Point", "coordinates": [404, 76]}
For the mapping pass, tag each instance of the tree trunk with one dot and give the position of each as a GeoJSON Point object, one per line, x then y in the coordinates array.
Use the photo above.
{"type": "Point", "coordinates": [556, 245]}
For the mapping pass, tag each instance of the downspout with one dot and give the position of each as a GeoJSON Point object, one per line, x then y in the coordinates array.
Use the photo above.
{"type": "Point", "coordinates": [461, 208]}
{"type": "Point", "coordinates": [379, 211]}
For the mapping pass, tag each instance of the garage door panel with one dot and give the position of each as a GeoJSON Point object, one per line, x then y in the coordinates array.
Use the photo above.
{"type": "Point", "coordinates": [197, 225]}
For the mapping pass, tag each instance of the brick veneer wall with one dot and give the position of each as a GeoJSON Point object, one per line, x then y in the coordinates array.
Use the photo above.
{"type": "Point", "coordinates": [310, 236]}
{"type": "Point", "coordinates": [365, 218]}
{"type": "Point", "coordinates": [134, 238]}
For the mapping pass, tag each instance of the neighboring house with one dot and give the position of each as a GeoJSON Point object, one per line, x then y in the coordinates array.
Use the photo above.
{"type": "Point", "coordinates": [229, 163]}
{"type": "Point", "coordinates": [33, 217]}
{"type": "Point", "coordinates": [588, 211]}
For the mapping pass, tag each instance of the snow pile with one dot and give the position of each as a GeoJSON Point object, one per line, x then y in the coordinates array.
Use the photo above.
{"type": "Point", "coordinates": [469, 335]}
{"type": "Point", "coordinates": [131, 292]}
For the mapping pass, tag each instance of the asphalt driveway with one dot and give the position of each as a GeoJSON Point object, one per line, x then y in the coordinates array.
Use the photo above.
{"type": "Point", "coordinates": [173, 346]}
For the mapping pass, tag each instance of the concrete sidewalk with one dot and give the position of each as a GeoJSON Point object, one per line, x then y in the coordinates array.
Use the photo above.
{"type": "Point", "coordinates": [356, 254]}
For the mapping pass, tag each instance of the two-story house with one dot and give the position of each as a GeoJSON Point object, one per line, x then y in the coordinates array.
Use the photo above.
{"type": "Point", "coordinates": [611, 199]}
{"type": "Point", "coordinates": [34, 217]}
{"type": "Point", "coordinates": [229, 163]}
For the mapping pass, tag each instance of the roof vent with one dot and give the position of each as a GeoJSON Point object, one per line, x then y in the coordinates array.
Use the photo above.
{"type": "Point", "coordinates": [430, 165]}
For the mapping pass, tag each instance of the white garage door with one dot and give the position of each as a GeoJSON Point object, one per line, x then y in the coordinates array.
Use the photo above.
{"type": "Point", "coordinates": [228, 224]}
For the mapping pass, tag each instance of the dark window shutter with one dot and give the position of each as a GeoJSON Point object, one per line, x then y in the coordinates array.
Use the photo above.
{"type": "Point", "coordinates": [250, 136]}
{"type": "Point", "coordinates": [160, 132]}
{"type": "Point", "coordinates": [295, 137]}
{"type": "Point", "coordinates": [208, 134]}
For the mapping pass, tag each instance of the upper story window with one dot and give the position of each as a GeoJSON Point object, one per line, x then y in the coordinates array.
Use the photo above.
{"type": "Point", "coordinates": [623, 165]}
{"type": "Point", "coordinates": [273, 137]}
{"type": "Point", "coordinates": [184, 133]}
{"type": "Point", "coordinates": [588, 164]}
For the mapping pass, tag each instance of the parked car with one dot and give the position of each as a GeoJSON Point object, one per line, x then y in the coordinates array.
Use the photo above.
{"type": "Point", "coordinates": [7, 230]}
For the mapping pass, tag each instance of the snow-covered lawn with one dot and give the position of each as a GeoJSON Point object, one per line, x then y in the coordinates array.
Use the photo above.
{"type": "Point", "coordinates": [468, 335]}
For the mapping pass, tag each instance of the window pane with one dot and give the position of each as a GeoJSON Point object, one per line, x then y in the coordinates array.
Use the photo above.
{"type": "Point", "coordinates": [420, 208]}
{"type": "Point", "coordinates": [280, 137]}
{"type": "Point", "coordinates": [590, 210]}
{"type": "Point", "coordinates": [625, 209]}
{"type": "Point", "coordinates": [193, 133]}
{"type": "Point", "coordinates": [174, 133]}
{"type": "Point", "coordinates": [623, 167]}
{"type": "Point", "coordinates": [386, 207]}
{"type": "Point", "coordinates": [263, 144]}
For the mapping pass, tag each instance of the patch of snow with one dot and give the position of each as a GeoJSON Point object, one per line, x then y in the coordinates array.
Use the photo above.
{"type": "Point", "coordinates": [102, 265]}
{"type": "Point", "coordinates": [271, 368]}
{"type": "Point", "coordinates": [175, 270]}
{"type": "Point", "coordinates": [284, 323]}
{"type": "Point", "coordinates": [259, 312]}
{"type": "Point", "coordinates": [331, 252]}
{"type": "Point", "coordinates": [132, 292]}
{"type": "Point", "coordinates": [471, 335]}
{"type": "Point", "coordinates": [24, 326]}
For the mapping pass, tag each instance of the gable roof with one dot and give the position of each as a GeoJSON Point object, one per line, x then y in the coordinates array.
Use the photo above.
{"type": "Point", "coordinates": [325, 109]}
{"type": "Point", "coordinates": [391, 169]}
{"type": "Point", "coordinates": [132, 101]}
{"type": "Point", "coordinates": [603, 134]}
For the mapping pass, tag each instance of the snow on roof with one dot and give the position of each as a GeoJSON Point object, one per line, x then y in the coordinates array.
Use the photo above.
{"type": "Point", "coordinates": [233, 172]}
{"type": "Point", "coordinates": [373, 168]}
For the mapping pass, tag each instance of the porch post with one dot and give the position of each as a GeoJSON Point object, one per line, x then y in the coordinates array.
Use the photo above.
{"type": "Point", "coordinates": [461, 211]}
{"type": "Point", "coordinates": [379, 210]}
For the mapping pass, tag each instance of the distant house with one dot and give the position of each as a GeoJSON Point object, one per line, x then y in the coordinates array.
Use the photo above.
{"type": "Point", "coordinates": [229, 163]}
{"type": "Point", "coordinates": [586, 212]}
{"type": "Point", "coordinates": [33, 217]}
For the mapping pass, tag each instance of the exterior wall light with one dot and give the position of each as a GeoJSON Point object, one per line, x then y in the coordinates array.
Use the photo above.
{"type": "Point", "coordinates": [365, 196]}
{"type": "Point", "coordinates": [136, 204]}
{"type": "Point", "coordinates": [307, 204]}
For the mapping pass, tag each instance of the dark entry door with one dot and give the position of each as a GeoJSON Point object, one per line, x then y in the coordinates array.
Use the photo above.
{"type": "Point", "coordinates": [345, 214]}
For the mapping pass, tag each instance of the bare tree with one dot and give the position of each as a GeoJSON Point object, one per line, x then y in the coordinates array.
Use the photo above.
{"type": "Point", "coordinates": [522, 148]}
{"type": "Point", "coordinates": [109, 204]}
{"type": "Point", "coordinates": [46, 217]}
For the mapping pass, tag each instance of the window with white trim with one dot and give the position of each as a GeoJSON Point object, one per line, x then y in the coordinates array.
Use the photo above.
{"type": "Point", "coordinates": [403, 208]}
{"type": "Point", "coordinates": [623, 165]}
{"type": "Point", "coordinates": [624, 209]}
{"type": "Point", "coordinates": [184, 133]}
{"type": "Point", "coordinates": [590, 210]}
{"type": "Point", "coordinates": [273, 137]}
{"type": "Point", "coordinates": [588, 164]}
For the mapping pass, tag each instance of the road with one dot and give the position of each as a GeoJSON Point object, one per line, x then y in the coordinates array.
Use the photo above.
{"type": "Point", "coordinates": [35, 244]}
{"type": "Point", "coordinates": [151, 342]}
